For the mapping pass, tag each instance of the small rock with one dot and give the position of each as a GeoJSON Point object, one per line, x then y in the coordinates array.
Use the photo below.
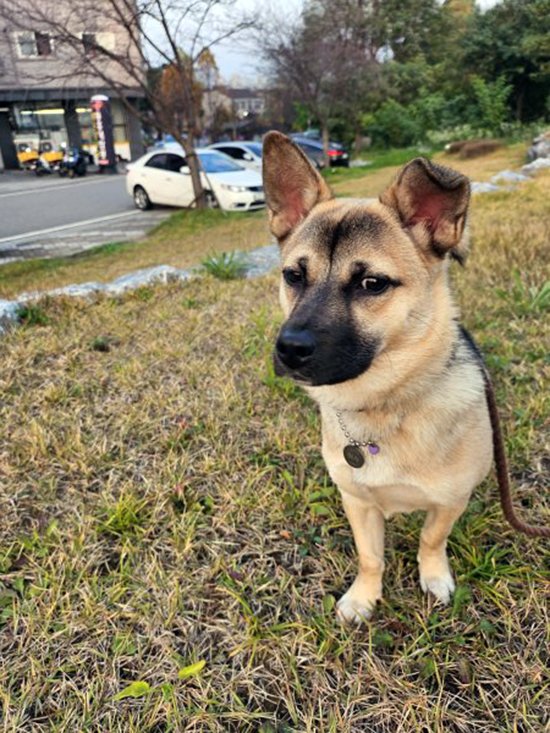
{"type": "Point", "coordinates": [509, 177]}
{"type": "Point", "coordinates": [536, 165]}
{"type": "Point", "coordinates": [139, 278]}
{"type": "Point", "coordinates": [540, 147]}
{"type": "Point", "coordinates": [262, 260]}
{"type": "Point", "coordinates": [9, 310]}
{"type": "Point", "coordinates": [478, 187]}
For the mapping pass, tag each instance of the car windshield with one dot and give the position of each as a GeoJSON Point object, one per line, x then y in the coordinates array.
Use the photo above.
{"type": "Point", "coordinates": [255, 148]}
{"type": "Point", "coordinates": [218, 163]}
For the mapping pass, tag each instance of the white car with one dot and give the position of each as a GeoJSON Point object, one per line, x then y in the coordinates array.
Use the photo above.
{"type": "Point", "coordinates": [246, 153]}
{"type": "Point", "coordinates": [162, 177]}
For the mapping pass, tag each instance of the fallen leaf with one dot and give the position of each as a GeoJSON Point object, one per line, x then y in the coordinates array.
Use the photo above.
{"type": "Point", "coordinates": [135, 689]}
{"type": "Point", "coordinates": [191, 670]}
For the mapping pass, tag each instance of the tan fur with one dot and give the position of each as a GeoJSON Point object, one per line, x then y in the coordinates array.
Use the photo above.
{"type": "Point", "coordinates": [430, 421]}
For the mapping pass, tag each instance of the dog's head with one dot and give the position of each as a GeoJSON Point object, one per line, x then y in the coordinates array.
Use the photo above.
{"type": "Point", "coordinates": [359, 280]}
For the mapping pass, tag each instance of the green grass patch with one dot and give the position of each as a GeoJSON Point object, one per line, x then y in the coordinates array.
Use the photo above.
{"type": "Point", "coordinates": [377, 159]}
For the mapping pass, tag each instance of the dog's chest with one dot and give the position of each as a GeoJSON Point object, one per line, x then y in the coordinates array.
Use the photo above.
{"type": "Point", "coordinates": [380, 482]}
{"type": "Point", "coordinates": [386, 480]}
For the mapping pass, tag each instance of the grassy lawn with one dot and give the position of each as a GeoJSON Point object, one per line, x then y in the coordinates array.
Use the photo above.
{"type": "Point", "coordinates": [188, 236]}
{"type": "Point", "coordinates": [163, 503]}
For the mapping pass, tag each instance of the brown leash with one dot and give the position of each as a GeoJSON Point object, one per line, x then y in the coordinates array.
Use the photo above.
{"type": "Point", "coordinates": [501, 466]}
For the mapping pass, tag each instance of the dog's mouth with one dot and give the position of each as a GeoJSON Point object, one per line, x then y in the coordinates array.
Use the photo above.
{"type": "Point", "coordinates": [321, 373]}
{"type": "Point", "coordinates": [281, 370]}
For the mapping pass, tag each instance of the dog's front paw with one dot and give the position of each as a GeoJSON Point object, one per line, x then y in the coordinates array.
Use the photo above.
{"type": "Point", "coordinates": [441, 586]}
{"type": "Point", "coordinates": [357, 604]}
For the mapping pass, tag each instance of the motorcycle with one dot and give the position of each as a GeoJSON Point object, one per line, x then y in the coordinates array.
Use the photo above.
{"type": "Point", "coordinates": [74, 163]}
{"type": "Point", "coordinates": [41, 166]}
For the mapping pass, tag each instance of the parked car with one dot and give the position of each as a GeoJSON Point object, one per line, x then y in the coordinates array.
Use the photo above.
{"type": "Point", "coordinates": [246, 152]}
{"type": "Point", "coordinates": [163, 177]}
{"type": "Point", "coordinates": [314, 150]}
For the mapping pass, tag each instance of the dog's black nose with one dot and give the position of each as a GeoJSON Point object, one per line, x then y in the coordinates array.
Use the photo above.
{"type": "Point", "coordinates": [295, 347]}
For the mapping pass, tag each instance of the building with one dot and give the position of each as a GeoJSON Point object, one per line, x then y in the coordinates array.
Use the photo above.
{"type": "Point", "coordinates": [230, 113]}
{"type": "Point", "coordinates": [46, 84]}
{"type": "Point", "coordinates": [247, 102]}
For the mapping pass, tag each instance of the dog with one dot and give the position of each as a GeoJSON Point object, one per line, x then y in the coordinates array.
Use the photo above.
{"type": "Point", "coordinates": [373, 335]}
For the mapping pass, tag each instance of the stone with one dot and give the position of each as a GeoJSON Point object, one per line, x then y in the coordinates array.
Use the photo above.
{"type": "Point", "coordinates": [509, 177]}
{"type": "Point", "coordinates": [9, 310]}
{"type": "Point", "coordinates": [262, 260]}
{"type": "Point", "coordinates": [139, 278]}
{"type": "Point", "coordinates": [536, 165]}
{"type": "Point", "coordinates": [540, 147]}
{"type": "Point", "coordinates": [478, 187]}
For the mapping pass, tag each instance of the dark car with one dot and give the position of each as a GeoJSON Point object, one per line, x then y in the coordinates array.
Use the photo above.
{"type": "Point", "coordinates": [314, 151]}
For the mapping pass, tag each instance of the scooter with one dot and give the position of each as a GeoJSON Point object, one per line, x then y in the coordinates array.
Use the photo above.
{"type": "Point", "coordinates": [74, 163]}
{"type": "Point", "coordinates": [41, 166]}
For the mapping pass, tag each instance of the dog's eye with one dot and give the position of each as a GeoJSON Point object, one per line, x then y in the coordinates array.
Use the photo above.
{"type": "Point", "coordinates": [293, 277]}
{"type": "Point", "coordinates": [375, 285]}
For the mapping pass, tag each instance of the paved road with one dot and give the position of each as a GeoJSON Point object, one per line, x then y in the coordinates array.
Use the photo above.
{"type": "Point", "coordinates": [46, 217]}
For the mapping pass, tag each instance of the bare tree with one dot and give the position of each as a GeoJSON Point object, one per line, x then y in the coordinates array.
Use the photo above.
{"type": "Point", "coordinates": [329, 57]}
{"type": "Point", "coordinates": [174, 35]}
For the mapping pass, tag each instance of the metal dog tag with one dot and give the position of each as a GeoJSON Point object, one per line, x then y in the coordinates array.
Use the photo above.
{"type": "Point", "coordinates": [354, 456]}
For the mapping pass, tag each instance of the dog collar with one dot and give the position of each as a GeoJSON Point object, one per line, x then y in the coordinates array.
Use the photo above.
{"type": "Point", "coordinates": [353, 454]}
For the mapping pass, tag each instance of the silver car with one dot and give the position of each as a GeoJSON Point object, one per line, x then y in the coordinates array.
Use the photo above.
{"type": "Point", "coordinates": [245, 152]}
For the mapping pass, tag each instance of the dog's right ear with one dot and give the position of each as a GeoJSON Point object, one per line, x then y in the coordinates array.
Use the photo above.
{"type": "Point", "coordinates": [292, 186]}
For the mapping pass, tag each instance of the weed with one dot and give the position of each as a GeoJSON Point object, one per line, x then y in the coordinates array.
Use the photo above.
{"type": "Point", "coordinates": [524, 299]}
{"type": "Point", "coordinates": [104, 343]}
{"type": "Point", "coordinates": [33, 315]}
{"type": "Point", "coordinates": [126, 517]}
{"type": "Point", "coordinates": [144, 293]}
{"type": "Point", "coordinates": [225, 266]}
{"type": "Point", "coordinates": [190, 303]}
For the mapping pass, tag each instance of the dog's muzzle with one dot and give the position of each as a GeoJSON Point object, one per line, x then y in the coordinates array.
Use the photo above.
{"type": "Point", "coordinates": [320, 356]}
{"type": "Point", "coordinates": [295, 347]}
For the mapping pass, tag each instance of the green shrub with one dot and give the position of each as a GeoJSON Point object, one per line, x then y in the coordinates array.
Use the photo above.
{"type": "Point", "coordinates": [492, 103]}
{"type": "Point", "coordinates": [393, 125]}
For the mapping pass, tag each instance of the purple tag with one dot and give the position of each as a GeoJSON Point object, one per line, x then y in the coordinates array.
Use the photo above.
{"type": "Point", "coordinates": [373, 449]}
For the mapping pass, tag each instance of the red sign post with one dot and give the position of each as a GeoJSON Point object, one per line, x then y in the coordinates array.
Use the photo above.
{"type": "Point", "coordinates": [103, 127]}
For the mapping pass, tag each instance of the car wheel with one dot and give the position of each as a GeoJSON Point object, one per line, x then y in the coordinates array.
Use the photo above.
{"type": "Point", "coordinates": [141, 199]}
{"type": "Point", "coordinates": [211, 200]}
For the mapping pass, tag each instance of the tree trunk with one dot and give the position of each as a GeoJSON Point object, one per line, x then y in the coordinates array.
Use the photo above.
{"type": "Point", "coordinates": [193, 163]}
{"type": "Point", "coordinates": [195, 171]}
{"type": "Point", "coordinates": [325, 138]}
{"type": "Point", "coordinates": [519, 104]}
{"type": "Point", "coordinates": [357, 140]}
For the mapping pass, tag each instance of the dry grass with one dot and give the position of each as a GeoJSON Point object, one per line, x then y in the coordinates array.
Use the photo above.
{"type": "Point", "coordinates": [163, 501]}
{"type": "Point", "coordinates": [478, 169]}
{"type": "Point", "coordinates": [187, 237]}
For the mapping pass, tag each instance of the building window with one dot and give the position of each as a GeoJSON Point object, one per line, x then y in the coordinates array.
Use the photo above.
{"type": "Point", "coordinates": [31, 44]}
{"type": "Point", "coordinates": [93, 42]}
{"type": "Point", "coordinates": [89, 42]}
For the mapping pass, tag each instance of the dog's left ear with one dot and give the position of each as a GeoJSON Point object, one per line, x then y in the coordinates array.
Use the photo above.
{"type": "Point", "coordinates": [431, 202]}
{"type": "Point", "coordinates": [292, 185]}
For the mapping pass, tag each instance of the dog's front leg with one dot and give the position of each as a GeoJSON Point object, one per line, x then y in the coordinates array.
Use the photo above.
{"type": "Point", "coordinates": [367, 524]}
{"type": "Point", "coordinates": [435, 574]}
